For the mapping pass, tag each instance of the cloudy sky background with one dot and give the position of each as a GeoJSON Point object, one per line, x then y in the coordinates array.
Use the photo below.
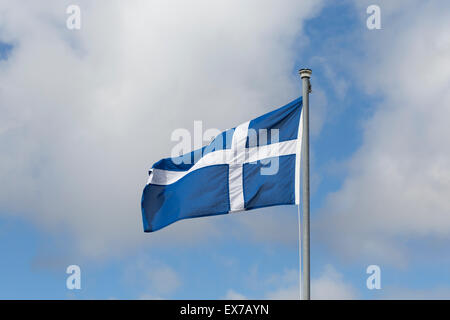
{"type": "Point", "coordinates": [85, 113]}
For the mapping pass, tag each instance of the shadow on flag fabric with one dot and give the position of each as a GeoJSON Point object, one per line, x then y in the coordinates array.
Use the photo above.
{"type": "Point", "coordinates": [255, 165]}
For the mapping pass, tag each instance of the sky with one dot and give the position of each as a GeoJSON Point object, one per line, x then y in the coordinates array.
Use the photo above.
{"type": "Point", "coordinates": [85, 113]}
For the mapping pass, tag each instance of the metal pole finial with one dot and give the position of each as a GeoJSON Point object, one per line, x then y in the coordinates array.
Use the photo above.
{"type": "Point", "coordinates": [305, 73]}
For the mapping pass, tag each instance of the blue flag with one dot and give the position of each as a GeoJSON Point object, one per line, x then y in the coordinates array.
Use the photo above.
{"type": "Point", "coordinates": [255, 165]}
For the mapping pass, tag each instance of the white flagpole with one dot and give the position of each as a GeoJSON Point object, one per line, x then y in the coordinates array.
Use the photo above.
{"type": "Point", "coordinates": [305, 75]}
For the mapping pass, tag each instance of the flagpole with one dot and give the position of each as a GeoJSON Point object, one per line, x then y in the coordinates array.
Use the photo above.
{"type": "Point", "coordinates": [305, 75]}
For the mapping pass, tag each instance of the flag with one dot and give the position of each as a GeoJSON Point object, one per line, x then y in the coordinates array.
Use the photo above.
{"type": "Point", "coordinates": [254, 165]}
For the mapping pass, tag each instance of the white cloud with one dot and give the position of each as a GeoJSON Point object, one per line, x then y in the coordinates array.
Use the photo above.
{"type": "Point", "coordinates": [149, 297]}
{"type": "Point", "coordinates": [330, 285]}
{"type": "Point", "coordinates": [399, 180]}
{"type": "Point", "coordinates": [155, 279]}
{"type": "Point", "coordinates": [233, 295]}
{"type": "Point", "coordinates": [286, 286]}
{"type": "Point", "coordinates": [290, 293]}
{"type": "Point", "coordinates": [164, 280]}
{"type": "Point", "coordinates": [436, 293]}
{"type": "Point", "coordinates": [275, 225]}
{"type": "Point", "coordinates": [85, 113]}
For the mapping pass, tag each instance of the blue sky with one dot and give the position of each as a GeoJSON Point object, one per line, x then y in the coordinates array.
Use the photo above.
{"type": "Point", "coordinates": [79, 199]}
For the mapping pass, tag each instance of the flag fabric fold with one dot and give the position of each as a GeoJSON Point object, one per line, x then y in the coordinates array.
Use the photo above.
{"type": "Point", "coordinates": [254, 165]}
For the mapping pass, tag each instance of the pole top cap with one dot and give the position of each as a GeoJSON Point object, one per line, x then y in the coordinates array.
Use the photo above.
{"type": "Point", "coordinates": [305, 73]}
